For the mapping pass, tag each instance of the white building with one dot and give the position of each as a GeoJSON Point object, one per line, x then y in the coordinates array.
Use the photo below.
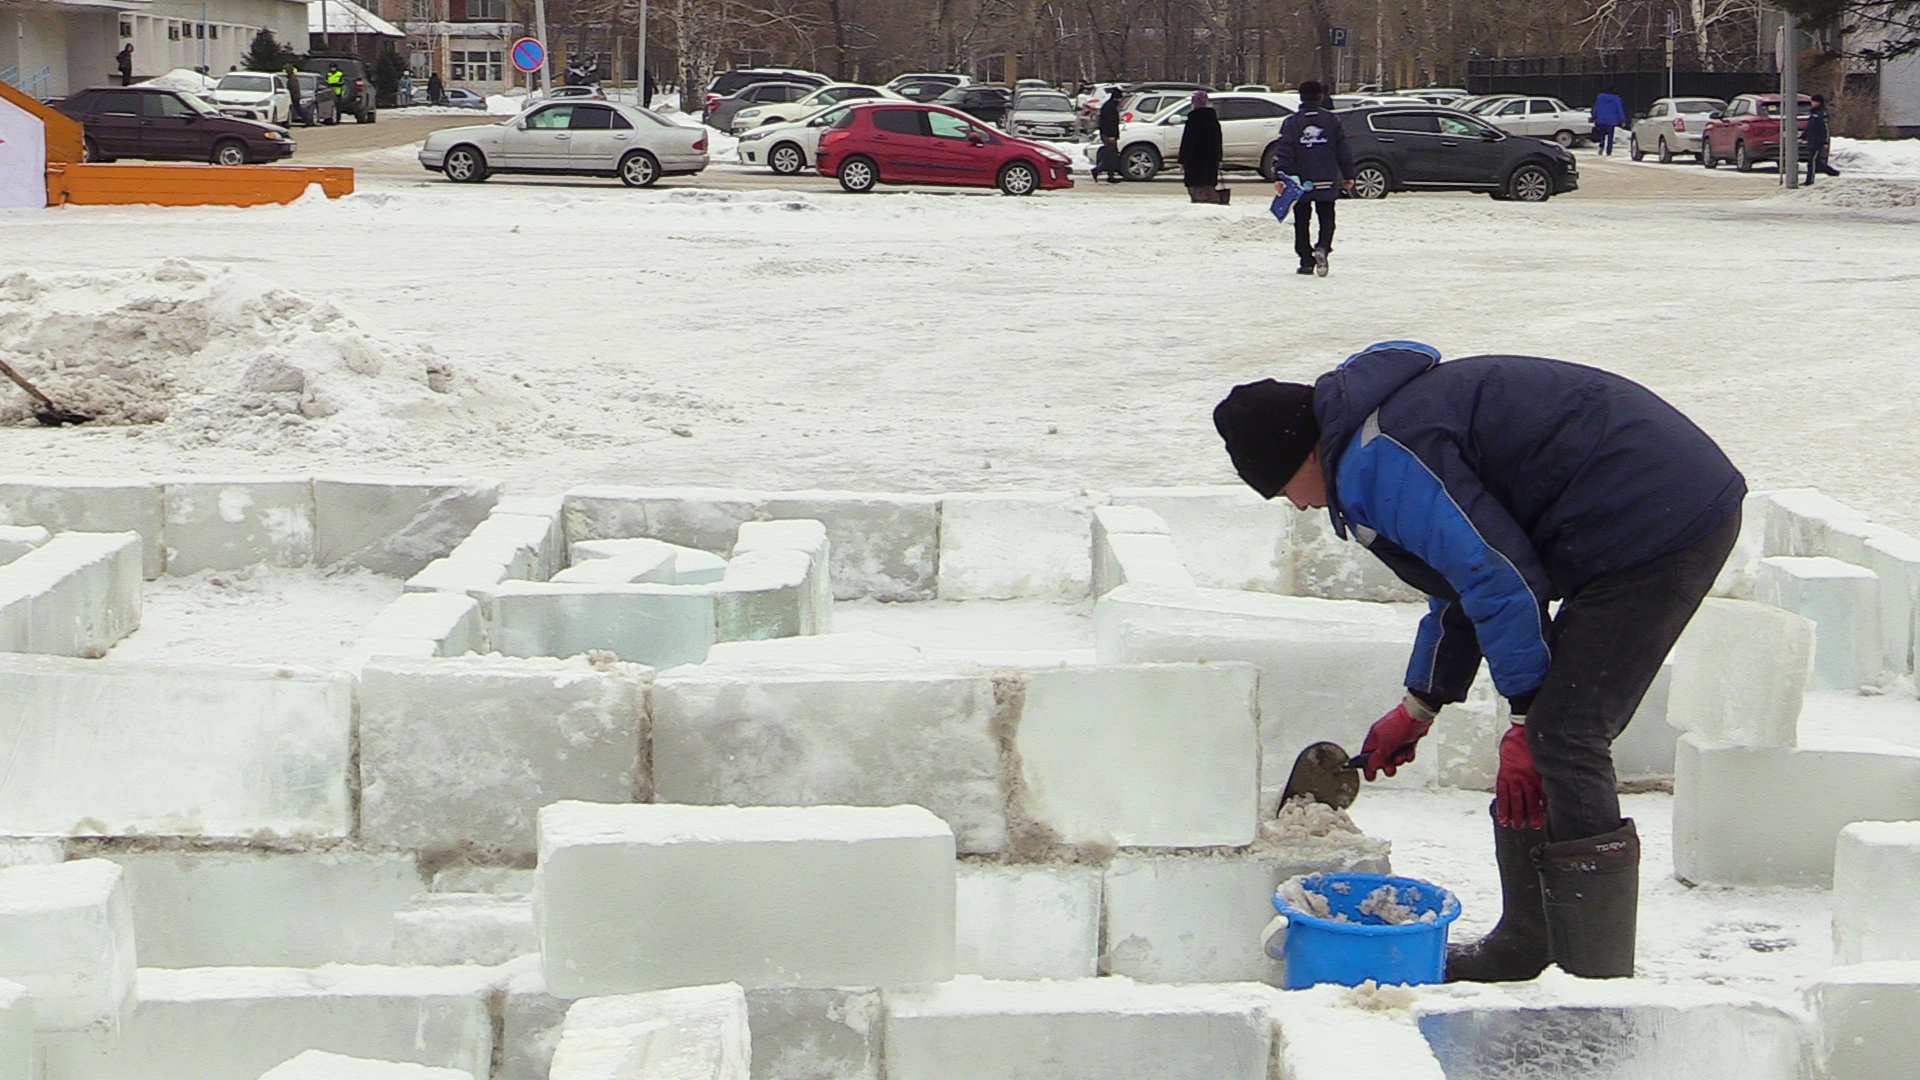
{"type": "Point", "coordinates": [51, 48]}
{"type": "Point", "coordinates": [466, 41]}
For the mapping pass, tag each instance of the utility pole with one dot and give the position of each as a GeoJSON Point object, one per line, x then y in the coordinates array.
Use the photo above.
{"type": "Point", "coordinates": [546, 52]}
{"type": "Point", "coordinates": [640, 80]}
{"type": "Point", "coordinates": [1789, 101]}
{"type": "Point", "coordinates": [1670, 33]}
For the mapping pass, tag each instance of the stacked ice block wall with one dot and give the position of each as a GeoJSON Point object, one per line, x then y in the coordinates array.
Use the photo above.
{"type": "Point", "coordinates": [627, 685]}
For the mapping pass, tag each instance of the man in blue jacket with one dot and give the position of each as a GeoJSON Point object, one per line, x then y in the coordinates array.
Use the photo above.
{"type": "Point", "coordinates": [1609, 112]}
{"type": "Point", "coordinates": [1496, 485]}
{"type": "Point", "coordinates": [1313, 148]}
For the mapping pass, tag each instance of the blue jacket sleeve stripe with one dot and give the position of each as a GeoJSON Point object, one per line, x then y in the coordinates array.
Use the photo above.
{"type": "Point", "coordinates": [1423, 667]}
{"type": "Point", "coordinates": [1388, 488]}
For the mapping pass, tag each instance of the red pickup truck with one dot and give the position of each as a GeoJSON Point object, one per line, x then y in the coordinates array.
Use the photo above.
{"type": "Point", "coordinates": [1749, 131]}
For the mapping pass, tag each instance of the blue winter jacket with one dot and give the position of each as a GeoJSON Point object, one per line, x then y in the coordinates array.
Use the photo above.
{"type": "Point", "coordinates": [1495, 484]}
{"type": "Point", "coordinates": [1313, 146]}
{"type": "Point", "coordinates": [1609, 110]}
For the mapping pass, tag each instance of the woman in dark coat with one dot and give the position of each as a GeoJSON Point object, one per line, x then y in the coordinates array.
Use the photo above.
{"type": "Point", "coordinates": [1200, 150]}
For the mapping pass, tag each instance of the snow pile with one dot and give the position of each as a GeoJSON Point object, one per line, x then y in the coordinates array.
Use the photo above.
{"type": "Point", "coordinates": [1382, 903]}
{"type": "Point", "coordinates": [1302, 818]}
{"type": "Point", "coordinates": [1857, 194]}
{"type": "Point", "coordinates": [1879, 158]}
{"type": "Point", "coordinates": [1300, 898]}
{"type": "Point", "coordinates": [218, 358]}
{"type": "Point", "coordinates": [1372, 997]}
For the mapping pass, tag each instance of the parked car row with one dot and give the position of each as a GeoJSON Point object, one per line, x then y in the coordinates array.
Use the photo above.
{"type": "Point", "coordinates": [570, 138]}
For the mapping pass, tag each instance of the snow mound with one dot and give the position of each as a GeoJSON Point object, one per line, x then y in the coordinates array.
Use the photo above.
{"type": "Point", "coordinates": [1857, 194]}
{"type": "Point", "coordinates": [215, 357]}
{"type": "Point", "coordinates": [1881, 158]}
{"type": "Point", "coordinates": [185, 80]}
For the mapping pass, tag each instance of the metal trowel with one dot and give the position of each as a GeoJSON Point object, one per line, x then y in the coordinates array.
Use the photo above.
{"type": "Point", "coordinates": [1324, 773]}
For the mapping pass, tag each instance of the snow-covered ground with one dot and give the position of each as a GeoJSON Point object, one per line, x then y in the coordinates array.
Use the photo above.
{"type": "Point", "coordinates": [259, 615]}
{"type": "Point", "coordinates": [921, 341]}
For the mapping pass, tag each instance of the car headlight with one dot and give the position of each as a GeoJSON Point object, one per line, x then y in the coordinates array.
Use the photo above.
{"type": "Point", "coordinates": [273, 136]}
{"type": "Point", "coordinates": [756, 135]}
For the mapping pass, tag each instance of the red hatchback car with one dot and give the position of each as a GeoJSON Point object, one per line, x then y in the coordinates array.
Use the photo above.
{"type": "Point", "coordinates": [901, 143]}
{"type": "Point", "coordinates": [1749, 131]}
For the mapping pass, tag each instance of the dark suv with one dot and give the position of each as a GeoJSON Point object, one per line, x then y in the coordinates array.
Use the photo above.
{"type": "Point", "coordinates": [149, 122]}
{"type": "Point", "coordinates": [1410, 148]}
{"type": "Point", "coordinates": [728, 83]}
{"type": "Point", "coordinates": [356, 88]}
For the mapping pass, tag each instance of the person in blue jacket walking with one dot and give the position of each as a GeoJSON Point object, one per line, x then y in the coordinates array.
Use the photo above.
{"type": "Point", "coordinates": [1313, 147]}
{"type": "Point", "coordinates": [1609, 112]}
{"type": "Point", "coordinates": [1497, 485]}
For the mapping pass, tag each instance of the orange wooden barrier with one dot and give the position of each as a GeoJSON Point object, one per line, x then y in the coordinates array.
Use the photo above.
{"type": "Point", "coordinates": [189, 185]}
{"type": "Point", "coordinates": [64, 135]}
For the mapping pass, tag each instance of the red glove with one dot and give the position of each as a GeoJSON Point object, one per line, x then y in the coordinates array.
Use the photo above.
{"type": "Point", "coordinates": [1391, 740]}
{"type": "Point", "coordinates": [1519, 799]}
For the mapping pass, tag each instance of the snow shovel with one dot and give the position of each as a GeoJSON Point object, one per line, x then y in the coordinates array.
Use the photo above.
{"type": "Point", "coordinates": [1324, 773]}
{"type": "Point", "coordinates": [45, 411]}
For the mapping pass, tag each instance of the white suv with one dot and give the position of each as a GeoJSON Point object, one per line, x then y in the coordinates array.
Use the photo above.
{"type": "Point", "coordinates": [255, 95]}
{"type": "Point", "coordinates": [1249, 126]}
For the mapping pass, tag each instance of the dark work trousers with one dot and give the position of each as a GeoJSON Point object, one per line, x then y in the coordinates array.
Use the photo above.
{"type": "Point", "coordinates": [1608, 643]}
{"type": "Point", "coordinates": [1303, 210]}
{"type": "Point", "coordinates": [1603, 139]}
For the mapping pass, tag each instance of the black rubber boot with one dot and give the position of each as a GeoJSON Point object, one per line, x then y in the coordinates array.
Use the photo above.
{"type": "Point", "coordinates": [1592, 892]}
{"type": "Point", "coordinates": [1516, 949]}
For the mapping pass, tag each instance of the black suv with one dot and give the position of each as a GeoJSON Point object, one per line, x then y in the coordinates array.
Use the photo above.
{"type": "Point", "coordinates": [728, 83]}
{"type": "Point", "coordinates": [1408, 148]}
{"type": "Point", "coordinates": [356, 89]}
{"type": "Point", "coordinates": [989, 104]}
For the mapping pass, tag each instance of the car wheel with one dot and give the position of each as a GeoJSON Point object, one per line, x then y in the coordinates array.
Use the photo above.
{"type": "Point", "coordinates": [90, 150]}
{"type": "Point", "coordinates": [365, 117]}
{"type": "Point", "coordinates": [229, 152]}
{"type": "Point", "coordinates": [859, 174]}
{"type": "Point", "coordinates": [1633, 148]}
{"type": "Point", "coordinates": [1140, 162]}
{"type": "Point", "coordinates": [1530, 183]}
{"type": "Point", "coordinates": [639, 169]}
{"type": "Point", "coordinates": [1269, 168]}
{"type": "Point", "coordinates": [1371, 181]}
{"type": "Point", "coordinates": [1666, 152]}
{"type": "Point", "coordinates": [786, 159]}
{"type": "Point", "coordinates": [1018, 178]}
{"type": "Point", "coordinates": [1565, 138]}
{"type": "Point", "coordinates": [464, 165]}
{"type": "Point", "coordinates": [1706, 154]}
{"type": "Point", "coordinates": [1742, 161]}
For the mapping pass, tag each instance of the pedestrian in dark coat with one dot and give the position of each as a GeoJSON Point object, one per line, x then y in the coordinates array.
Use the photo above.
{"type": "Point", "coordinates": [1609, 112]}
{"type": "Point", "coordinates": [649, 87]}
{"type": "Point", "coordinates": [1819, 139]}
{"type": "Point", "coordinates": [1497, 485]}
{"type": "Point", "coordinates": [1200, 151]}
{"type": "Point", "coordinates": [436, 90]}
{"type": "Point", "coordinates": [1109, 158]}
{"type": "Point", "coordinates": [1313, 149]}
{"type": "Point", "coordinates": [124, 59]}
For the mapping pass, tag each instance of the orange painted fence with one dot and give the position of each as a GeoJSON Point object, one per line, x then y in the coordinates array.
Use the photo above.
{"type": "Point", "coordinates": [70, 181]}
{"type": "Point", "coordinates": [189, 185]}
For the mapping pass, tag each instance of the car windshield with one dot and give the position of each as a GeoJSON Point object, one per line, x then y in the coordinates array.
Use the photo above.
{"type": "Point", "coordinates": [198, 105]}
{"type": "Point", "coordinates": [1045, 103]}
{"type": "Point", "coordinates": [952, 97]}
{"type": "Point", "coordinates": [252, 84]}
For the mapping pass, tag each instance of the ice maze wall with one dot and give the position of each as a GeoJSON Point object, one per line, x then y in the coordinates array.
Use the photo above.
{"type": "Point", "coordinates": [607, 747]}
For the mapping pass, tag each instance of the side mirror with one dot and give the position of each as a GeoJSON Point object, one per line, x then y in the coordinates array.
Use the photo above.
{"type": "Point", "coordinates": [1490, 136]}
{"type": "Point", "coordinates": [521, 126]}
{"type": "Point", "coordinates": [1716, 116]}
{"type": "Point", "coordinates": [976, 138]}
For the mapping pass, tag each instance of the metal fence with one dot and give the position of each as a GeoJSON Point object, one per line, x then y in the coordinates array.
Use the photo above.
{"type": "Point", "coordinates": [1639, 76]}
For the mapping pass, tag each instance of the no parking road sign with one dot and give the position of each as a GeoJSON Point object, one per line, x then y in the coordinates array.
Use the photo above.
{"type": "Point", "coordinates": [528, 54]}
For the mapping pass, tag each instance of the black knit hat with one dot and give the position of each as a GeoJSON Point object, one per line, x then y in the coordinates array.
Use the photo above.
{"type": "Point", "coordinates": [1269, 428]}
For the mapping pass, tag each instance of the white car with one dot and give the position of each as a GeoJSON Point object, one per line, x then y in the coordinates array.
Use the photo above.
{"type": "Point", "coordinates": [1249, 127]}
{"type": "Point", "coordinates": [1368, 101]}
{"type": "Point", "coordinates": [789, 149]}
{"type": "Point", "coordinates": [1672, 126]}
{"type": "Point", "coordinates": [576, 138]}
{"type": "Point", "coordinates": [1542, 118]}
{"type": "Point", "coordinates": [1042, 114]}
{"type": "Point", "coordinates": [786, 112]}
{"type": "Point", "coordinates": [254, 95]}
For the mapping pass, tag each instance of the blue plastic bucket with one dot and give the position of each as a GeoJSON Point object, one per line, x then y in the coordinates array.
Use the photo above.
{"type": "Point", "coordinates": [1364, 946]}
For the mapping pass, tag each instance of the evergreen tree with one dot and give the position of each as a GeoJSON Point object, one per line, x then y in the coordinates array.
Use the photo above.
{"type": "Point", "coordinates": [267, 54]}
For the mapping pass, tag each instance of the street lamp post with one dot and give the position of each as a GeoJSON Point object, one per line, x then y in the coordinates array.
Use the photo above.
{"type": "Point", "coordinates": [640, 73]}
{"type": "Point", "coordinates": [1789, 102]}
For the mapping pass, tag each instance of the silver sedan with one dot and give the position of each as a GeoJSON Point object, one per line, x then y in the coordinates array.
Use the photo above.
{"type": "Point", "coordinates": [575, 138]}
{"type": "Point", "coordinates": [1672, 126]}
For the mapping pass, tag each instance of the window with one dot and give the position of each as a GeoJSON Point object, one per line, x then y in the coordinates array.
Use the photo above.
{"type": "Point", "coordinates": [485, 11]}
{"type": "Point", "coordinates": [845, 119]}
{"type": "Point", "coordinates": [553, 117]}
{"type": "Point", "coordinates": [1249, 109]}
{"type": "Point", "coordinates": [591, 118]}
{"type": "Point", "coordinates": [173, 31]}
{"type": "Point", "coordinates": [126, 29]}
{"type": "Point", "coordinates": [900, 121]}
{"type": "Point", "coordinates": [213, 32]}
{"type": "Point", "coordinates": [120, 103]}
{"type": "Point", "coordinates": [1657, 111]}
{"type": "Point", "coordinates": [1541, 106]}
{"type": "Point", "coordinates": [164, 105]}
{"type": "Point", "coordinates": [1462, 127]}
{"type": "Point", "coordinates": [474, 66]}
{"type": "Point", "coordinates": [420, 10]}
{"type": "Point", "coordinates": [1422, 123]}
{"type": "Point", "coordinates": [948, 126]}
{"type": "Point", "coordinates": [1513, 108]}
{"type": "Point", "coordinates": [82, 103]}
